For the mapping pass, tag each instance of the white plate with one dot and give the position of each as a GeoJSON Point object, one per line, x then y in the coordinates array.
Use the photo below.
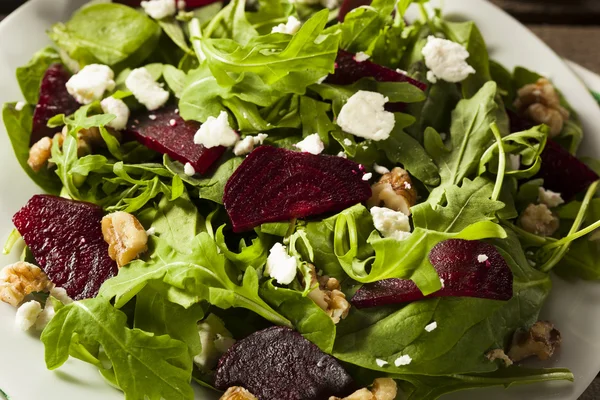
{"type": "Point", "coordinates": [573, 307]}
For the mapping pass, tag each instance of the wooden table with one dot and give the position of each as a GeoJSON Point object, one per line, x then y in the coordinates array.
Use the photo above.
{"type": "Point", "coordinates": [570, 27]}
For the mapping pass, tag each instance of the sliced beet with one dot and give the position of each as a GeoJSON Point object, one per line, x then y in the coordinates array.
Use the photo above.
{"type": "Point", "coordinates": [189, 4]}
{"type": "Point", "coordinates": [277, 363]}
{"type": "Point", "coordinates": [467, 268]}
{"type": "Point", "coordinates": [166, 132]}
{"type": "Point", "coordinates": [564, 173]}
{"type": "Point", "coordinates": [54, 100]}
{"type": "Point", "coordinates": [518, 123]}
{"type": "Point", "coordinates": [275, 184]}
{"type": "Point", "coordinates": [349, 5]}
{"type": "Point", "coordinates": [65, 237]}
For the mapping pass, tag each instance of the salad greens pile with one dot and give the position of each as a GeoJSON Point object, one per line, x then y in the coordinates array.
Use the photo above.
{"type": "Point", "coordinates": [141, 331]}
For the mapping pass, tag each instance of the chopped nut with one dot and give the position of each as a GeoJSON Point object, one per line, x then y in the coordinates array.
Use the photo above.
{"type": "Point", "coordinates": [383, 389]}
{"type": "Point", "coordinates": [539, 220]}
{"type": "Point", "coordinates": [499, 354]}
{"type": "Point", "coordinates": [237, 393]}
{"type": "Point", "coordinates": [19, 280]}
{"type": "Point", "coordinates": [541, 341]}
{"type": "Point", "coordinates": [540, 103]}
{"type": "Point", "coordinates": [328, 296]}
{"type": "Point", "coordinates": [125, 236]}
{"type": "Point", "coordinates": [394, 191]}
{"type": "Point", "coordinates": [39, 154]}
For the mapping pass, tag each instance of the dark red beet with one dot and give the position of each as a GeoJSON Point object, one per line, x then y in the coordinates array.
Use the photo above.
{"type": "Point", "coordinates": [166, 132]}
{"type": "Point", "coordinates": [278, 185]}
{"type": "Point", "coordinates": [564, 173]}
{"type": "Point", "coordinates": [54, 100]}
{"type": "Point", "coordinates": [462, 274]}
{"type": "Point", "coordinates": [65, 237]}
{"type": "Point", "coordinates": [349, 5]}
{"type": "Point", "coordinates": [517, 123]}
{"type": "Point", "coordinates": [189, 4]}
{"type": "Point", "coordinates": [277, 363]}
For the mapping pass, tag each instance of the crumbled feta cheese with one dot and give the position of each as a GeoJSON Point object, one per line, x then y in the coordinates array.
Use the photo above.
{"type": "Point", "coordinates": [513, 162]}
{"type": "Point", "coordinates": [216, 132]}
{"type": "Point", "coordinates": [281, 266]}
{"type": "Point", "coordinates": [367, 176]}
{"type": "Point", "coordinates": [27, 314]}
{"type": "Point", "coordinates": [147, 91]}
{"type": "Point", "coordinates": [401, 71]}
{"type": "Point", "coordinates": [381, 363]}
{"type": "Point", "coordinates": [390, 223]}
{"type": "Point", "coordinates": [549, 198]}
{"type": "Point", "coordinates": [215, 340]}
{"type": "Point", "coordinates": [152, 117]}
{"type": "Point", "coordinates": [364, 115]}
{"type": "Point", "coordinates": [361, 56]}
{"type": "Point", "coordinates": [442, 282]}
{"type": "Point", "coordinates": [172, 122]}
{"type": "Point", "coordinates": [482, 258]}
{"type": "Point", "coordinates": [46, 315]}
{"type": "Point", "coordinates": [119, 109]}
{"type": "Point", "coordinates": [159, 9]}
{"type": "Point", "coordinates": [89, 84]}
{"type": "Point", "coordinates": [431, 326]}
{"type": "Point", "coordinates": [20, 105]}
{"type": "Point", "coordinates": [61, 295]}
{"type": "Point", "coordinates": [311, 144]}
{"type": "Point", "coordinates": [290, 27]}
{"type": "Point", "coordinates": [347, 142]}
{"type": "Point", "coordinates": [189, 170]}
{"type": "Point", "coordinates": [342, 154]}
{"type": "Point", "coordinates": [403, 360]}
{"type": "Point", "coordinates": [381, 170]}
{"type": "Point", "coordinates": [246, 145]}
{"type": "Point", "coordinates": [151, 231]}
{"type": "Point", "coordinates": [431, 77]}
{"type": "Point", "coordinates": [447, 60]}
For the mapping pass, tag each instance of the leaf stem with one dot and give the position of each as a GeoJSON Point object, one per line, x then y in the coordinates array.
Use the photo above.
{"type": "Point", "coordinates": [196, 35]}
{"type": "Point", "coordinates": [501, 162]}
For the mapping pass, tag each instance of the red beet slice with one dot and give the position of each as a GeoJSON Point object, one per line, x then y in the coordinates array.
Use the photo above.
{"type": "Point", "coordinates": [54, 100]}
{"type": "Point", "coordinates": [517, 123]}
{"type": "Point", "coordinates": [65, 237]}
{"type": "Point", "coordinates": [349, 5]}
{"type": "Point", "coordinates": [463, 275]}
{"type": "Point", "coordinates": [189, 4]}
{"type": "Point", "coordinates": [277, 363]}
{"type": "Point", "coordinates": [563, 172]}
{"type": "Point", "coordinates": [166, 132]}
{"type": "Point", "coordinates": [275, 184]}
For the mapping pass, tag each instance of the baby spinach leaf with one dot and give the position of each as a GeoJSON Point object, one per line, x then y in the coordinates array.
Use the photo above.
{"type": "Point", "coordinates": [175, 78]}
{"type": "Point", "coordinates": [173, 29]}
{"type": "Point", "coordinates": [30, 75]}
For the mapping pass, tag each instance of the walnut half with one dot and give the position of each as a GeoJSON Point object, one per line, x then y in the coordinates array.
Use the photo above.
{"type": "Point", "coordinates": [19, 280]}
{"type": "Point", "coordinates": [328, 296]}
{"type": "Point", "coordinates": [541, 341]}
{"type": "Point", "coordinates": [237, 393]}
{"type": "Point", "coordinates": [395, 191]}
{"type": "Point", "coordinates": [125, 236]}
{"type": "Point", "coordinates": [382, 389]}
{"type": "Point", "coordinates": [540, 103]}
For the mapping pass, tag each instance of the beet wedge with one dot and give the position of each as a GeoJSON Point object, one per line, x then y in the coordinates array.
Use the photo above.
{"type": "Point", "coordinates": [277, 363]}
{"type": "Point", "coordinates": [54, 100]}
{"type": "Point", "coordinates": [275, 184]}
{"type": "Point", "coordinates": [466, 268]}
{"type": "Point", "coordinates": [564, 173]}
{"type": "Point", "coordinates": [65, 237]}
{"type": "Point", "coordinates": [166, 132]}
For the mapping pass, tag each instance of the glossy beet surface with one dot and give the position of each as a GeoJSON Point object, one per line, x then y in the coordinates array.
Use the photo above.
{"type": "Point", "coordinates": [466, 269]}
{"type": "Point", "coordinates": [275, 184]}
{"type": "Point", "coordinates": [54, 100]}
{"type": "Point", "coordinates": [65, 237]}
{"type": "Point", "coordinates": [279, 364]}
{"type": "Point", "coordinates": [166, 132]}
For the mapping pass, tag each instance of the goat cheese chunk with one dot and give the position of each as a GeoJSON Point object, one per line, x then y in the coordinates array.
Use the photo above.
{"type": "Point", "coordinates": [189, 170]}
{"type": "Point", "coordinates": [549, 198]}
{"type": "Point", "coordinates": [290, 27]}
{"type": "Point", "coordinates": [159, 9]}
{"type": "Point", "coordinates": [431, 327]}
{"type": "Point", "coordinates": [146, 90]}
{"type": "Point", "coordinates": [215, 340]}
{"type": "Point", "coordinates": [403, 360]}
{"type": "Point", "coordinates": [361, 56]}
{"type": "Point", "coordinates": [364, 115]}
{"type": "Point", "coordinates": [446, 60]}
{"type": "Point", "coordinates": [119, 109]}
{"type": "Point", "coordinates": [281, 266]}
{"type": "Point", "coordinates": [27, 314]}
{"type": "Point", "coordinates": [216, 132]}
{"type": "Point", "coordinates": [20, 105]}
{"type": "Point", "coordinates": [246, 145]}
{"type": "Point", "coordinates": [89, 84]}
{"type": "Point", "coordinates": [390, 223]}
{"type": "Point", "coordinates": [311, 144]}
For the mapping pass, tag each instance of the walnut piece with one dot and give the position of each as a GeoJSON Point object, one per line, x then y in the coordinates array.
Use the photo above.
{"type": "Point", "coordinates": [327, 295]}
{"type": "Point", "coordinates": [395, 191]}
{"type": "Point", "coordinates": [39, 154]}
{"type": "Point", "coordinates": [19, 280]}
{"type": "Point", "coordinates": [125, 236]}
{"type": "Point", "coordinates": [382, 389]}
{"type": "Point", "coordinates": [541, 341]}
{"type": "Point", "coordinates": [499, 354]}
{"type": "Point", "coordinates": [539, 220]}
{"type": "Point", "coordinates": [540, 103]}
{"type": "Point", "coordinates": [237, 393]}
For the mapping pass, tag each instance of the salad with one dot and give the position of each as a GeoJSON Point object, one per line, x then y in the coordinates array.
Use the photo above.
{"type": "Point", "coordinates": [293, 200]}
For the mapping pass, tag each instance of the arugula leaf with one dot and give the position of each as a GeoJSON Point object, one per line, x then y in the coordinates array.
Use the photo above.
{"type": "Point", "coordinates": [362, 26]}
{"type": "Point", "coordinates": [175, 78]}
{"type": "Point", "coordinates": [173, 29]}
{"type": "Point", "coordinates": [145, 366]}
{"type": "Point", "coordinates": [30, 75]}
{"type": "Point", "coordinates": [254, 256]}
{"type": "Point", "coordinates": [314, 118]}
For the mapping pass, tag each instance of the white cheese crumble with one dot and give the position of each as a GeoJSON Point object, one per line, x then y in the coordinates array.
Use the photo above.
{"type": "Point", "coordinates": [361, 56]}
{"type": "Point", "coordinates": [364, 115]}
{"type": "Point", "coordinates": [119, 109]}
{"type": "Point", "coordinates": [152, 117]}
{"type": "Point", "coordinates": [311, 144]}
{"type": "Point", "coordinates": [549, 198]}
{"type": "Point", "coordinates": [347, 142]}
{"type": "Point", "coordinates": [159, 9]}
{"type": "Point", "coordinates": [290, 27]}
{"type": "Point", "coordinates": [367, 176]}
{"type": "Point", "coordinates": [401, 71]}
{"type": "Point", "coordinates": [151, 231]}
{"type": "Point", "coordinates": [431, 77]}
{"type": "Point", "coordinates": [189, 170]}
{"type": "Point", "coordinates": [447, 60]}
{"type": "Point", "coordinates": [215, 340]}
{"type": "Point", "coordinates": [381, 363]}
{"type": "Point", "coordinates": [27, 314]}
{"type": "Point", "coordinates": [61, 295]}
{"type": "Point", "coordinates": [381, 170]}
{"type": "Point", "coordinates": [403, 360]}
{"type": "Point", "coordinates": [216, 132]}
{"type": "Point", "coordinates": [172, 122]}
{"type": "Point", "coordinates": [432, 326]}
{"type": "Point", "coordinates": [482, 258]}
{"type": "Point", "coordinates": [181, 5]}
{"type": "Point", "coordinates": [281, 266]}
{"type": "Point", "coordinates": [513, 162]}
{"type": "Point", "coordinates": [89, 84]}
{"type": "Point", "coordinates": [442, 282]}
{"type": "Point", "coordinates": [246, 145]}
{"type": "Point", "coordinates": [322, 79]}
{"type": "Point", "coordinates": [147, 91]}
{"type": "Point", "coordinates": [20, 105]}
{"type": "Point", "coordinates": [342, 154]}
{"type": "Point", "coordinates": [390, 223]}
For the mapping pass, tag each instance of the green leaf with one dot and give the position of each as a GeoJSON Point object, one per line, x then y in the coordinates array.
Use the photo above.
{"type": "Point", "coordinates": [254, 256]}
{"type": "Point", "coordinates": [30, 75]}
{"type": "Point", "coordinates": [173, 29]}
{"type": "Point", "coordinates": [212, 186]}
{"type": "Point", "coordinates": [314, 118]}
{"type": "Point", "coordinates": [175, 78]}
